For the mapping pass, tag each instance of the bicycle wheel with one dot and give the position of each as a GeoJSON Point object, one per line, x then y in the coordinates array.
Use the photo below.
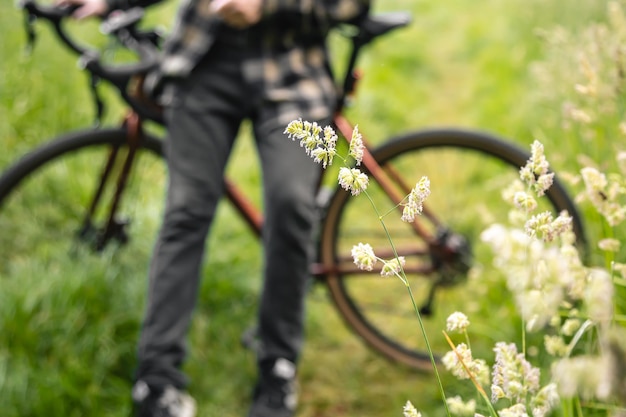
{"type": "Point", "coordinates": [468, 172]}
{"type": "Point", "coordinates": [45, 199]}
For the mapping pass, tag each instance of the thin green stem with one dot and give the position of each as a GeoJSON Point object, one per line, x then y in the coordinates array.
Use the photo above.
{"type": "Point", "coordinates": [467, 339]}
{"type": "Point", "coordinates": [579, 409]}
{"type": "Point", "coordinates": [415, 308]}
{"type": "Point", "coordinates": [524, 337]}
{"type": "Point", "coordinates": [566, 406]}
{"type": "Point", "coordinates": [430, 351]}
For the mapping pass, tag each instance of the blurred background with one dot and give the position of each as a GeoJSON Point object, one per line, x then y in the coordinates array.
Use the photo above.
{"type": "Point", "coordinates": [67, 336]}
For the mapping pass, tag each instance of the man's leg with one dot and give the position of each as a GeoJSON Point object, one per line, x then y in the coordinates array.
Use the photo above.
{"type": "Point", "coordinates": [202, 124]}
{"type": "Point", "coordinates": [290, 179]}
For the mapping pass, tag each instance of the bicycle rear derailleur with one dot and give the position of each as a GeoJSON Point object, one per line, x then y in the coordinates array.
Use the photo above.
{"type": "Point", "coordinates": [451, 259]}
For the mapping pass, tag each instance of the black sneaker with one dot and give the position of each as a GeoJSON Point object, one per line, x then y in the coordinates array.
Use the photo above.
{"type": "Point", "coordinates": [275, 395]}
{"type": "Point", "coordinates": [169, 402]}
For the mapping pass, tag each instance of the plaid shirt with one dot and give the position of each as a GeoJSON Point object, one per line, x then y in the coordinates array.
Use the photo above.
{"type": "Point", "coordinates": [291, 46]}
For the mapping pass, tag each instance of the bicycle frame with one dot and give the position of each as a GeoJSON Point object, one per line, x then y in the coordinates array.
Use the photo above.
{"type": "Point", "coordinates": [131, 78]}
{"type": "Point", "coordinates": [388, 179]}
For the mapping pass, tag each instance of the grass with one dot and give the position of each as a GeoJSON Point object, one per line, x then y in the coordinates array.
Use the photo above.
{"type": "Point", "coordinates": [69, 329]}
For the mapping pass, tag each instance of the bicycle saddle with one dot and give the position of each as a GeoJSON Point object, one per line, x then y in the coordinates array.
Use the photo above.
{"type": "Point", "coordinates": [376, 25]}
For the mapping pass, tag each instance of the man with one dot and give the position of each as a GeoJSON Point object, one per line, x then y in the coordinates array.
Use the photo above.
{"type": "Point", "coordinates": [226, 61]}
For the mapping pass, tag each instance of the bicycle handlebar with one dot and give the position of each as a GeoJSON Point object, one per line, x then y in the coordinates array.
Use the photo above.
{"type": "Point", "coordinates": [123, 26]}
{"type": "Point", "coordinates": [53, 14]}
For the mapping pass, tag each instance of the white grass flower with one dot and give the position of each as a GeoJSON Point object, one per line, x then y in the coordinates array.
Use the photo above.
{"type": "Point", "coordinates": [536, 171]}
{"type": "Point", "coordinates": [357, 146]}
{"type": "Point", "coordinates": [461, 364]}
{"type": "Point", "coordinates": [603, 193]}
{"type": "Point", "coordinates": [539, 276]}
{"type": "Point", "coordinates": [599, 295]}
{"type": "Point", "coordinates": [330, 137]}
{"type": "Point", "coordinates": [393, 267]}
{"type": "Point", "coordinates": [579, 115]}
{"type": "Point", "coordinates": [524, 201]}
{"type": "Point", "coordinates": [364, 256]}
{"type": "Point", "coordinates": [513, 376]}
{"type": "Point", "coordinates": [544, 227]}
{"type": "Point", "coordinates": [561, 225]}
{"type": "Point", "coordinates": [544, 182]}
{"type": "Point", "coordinates": [353, 180]}
{"type": "Point", "coordinates": [323, 156]}
{"type": "Point", "coordinates": [585, 376]}
{"type": "Point", "coordinates": [538, 162]}
{"type": "Point", "coordinates": [321, 149]}
{"type": "Point", "coordinates": [620, 268]}
{"type": "Point", "coordinates": [416, 198]}
{"type": "Point", "coordinates": [545, 400]}
{"type": "Point", "coordinates": [570, 327]}
{"type": "Point", "coordinates": [306, 132]}
{"type": "Point", "coordinates": [516, 410]}
{"type": "Point", "coordinates": [538, 224]}
{"type": "Point", "coordinates": [458, 407]}
{"type": "Point", "coordinates": [508, 193]}
{"type": "Point", "coordinates": [555, 345]}
{"type": "Point", "coordinates": [609, 245]}
{"type": "Point", "coordinates": [410, 411]}
{"type": "Point", "coordinates": [595, 184]}
{"type": "Point", "coordinates": [457, 322]}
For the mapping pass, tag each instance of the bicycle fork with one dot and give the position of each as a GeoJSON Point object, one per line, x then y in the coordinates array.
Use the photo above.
{"type": "Point", "coordinates": [114, 227]}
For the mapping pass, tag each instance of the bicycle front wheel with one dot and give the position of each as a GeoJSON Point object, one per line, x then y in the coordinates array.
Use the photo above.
{"type": "Point", "coordinates": [47, 214]}
{"type": "Point", "coordinates": [468, 172]}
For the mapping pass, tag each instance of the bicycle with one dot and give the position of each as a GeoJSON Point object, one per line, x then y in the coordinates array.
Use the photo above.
{"type": "Point", "coordinates": [100, 167]}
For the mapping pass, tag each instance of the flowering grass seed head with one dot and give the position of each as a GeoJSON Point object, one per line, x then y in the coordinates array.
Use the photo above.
{"type": "Point", "coordinates": [410, 411]}
{"type": "Point", "coordinates": [535, 173]}
{"type": "Point", "coordinates": [609, 245]}
{"type": "Point", "coordinates": [555, 345]}
{"type": "Point", "coordinates": [306, 132]}
{"type": "Point", "coordinates": [458, 407]}
{"type": "Point", "coordinates": [416, 198]}
{"type": "Point", "coordinates": [524, 201]}
{"type": "Point", "coordinates": [364, 256]}
{"type": "Point", "coordinates": [459, 361]}
{"type": "Point", "coordinates": [603, 194]}
{"type": "Point", "coordinates": [544, 227]}
{"type": "Point", "coordinates": [545, 400]}
{"type": "Point", "coordinates": [513, 377]}
{"type": "Point", "coordinates": [356, 146]}
{"type": "Point", "coordinates": [353, 180]}
{"type": "Point", "coordinates": [516, 410]}
{"type": "Point", "coordinates": [393, 267]}
{"type": "Point", "coordinates": [457, 322]}
{"type": "Point", "coordinates": [585, 376]}
{"type": "Point", "coordinates": [318, 143]}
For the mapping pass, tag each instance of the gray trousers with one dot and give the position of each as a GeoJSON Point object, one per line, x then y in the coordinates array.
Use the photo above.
{"type": "Point", "coordinates": [203, 121]}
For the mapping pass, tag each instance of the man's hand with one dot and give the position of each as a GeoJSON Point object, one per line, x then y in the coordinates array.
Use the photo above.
{"type": "Point", "coordinates": [238, 13]}
{"type": "Point", "coordinates": [87, 8]}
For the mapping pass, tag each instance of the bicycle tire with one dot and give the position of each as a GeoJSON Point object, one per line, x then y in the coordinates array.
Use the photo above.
{"type": "Point", "coordinates": [44, 197]}
{"type": "Point", "coordinates": [375, 309]}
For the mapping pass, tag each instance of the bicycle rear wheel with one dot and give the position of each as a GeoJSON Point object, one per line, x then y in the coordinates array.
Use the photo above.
{"type": "Point", "coordinates": [45, 199]}
{"type": "Point", "coordinates": [468, 172]}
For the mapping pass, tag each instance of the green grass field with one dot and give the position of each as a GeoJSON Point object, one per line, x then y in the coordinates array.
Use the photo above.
{"type": "Point", "coordinates": [68, 329]}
